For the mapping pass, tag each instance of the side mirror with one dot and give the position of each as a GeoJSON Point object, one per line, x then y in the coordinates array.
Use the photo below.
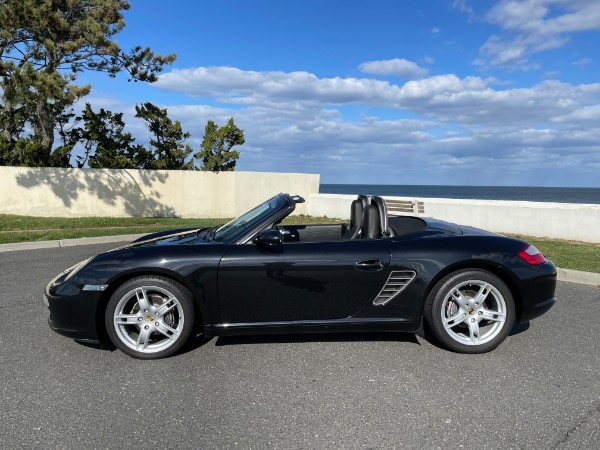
{"type": "Point", "coordinates": [269, 237]}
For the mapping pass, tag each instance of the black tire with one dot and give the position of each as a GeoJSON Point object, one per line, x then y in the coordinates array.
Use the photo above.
{"type": "Point", "coordinates": [150, 317]}
{"type": "Point", "coordinates": [480, 305]}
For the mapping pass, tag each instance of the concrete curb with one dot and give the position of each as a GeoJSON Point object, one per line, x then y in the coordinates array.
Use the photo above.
{"type": "Point", "coordinates": [577, 276]}
{"type": "Point", "coordinates": [69, 242]}
{"type": "Point", "coordinates": [568, 275]}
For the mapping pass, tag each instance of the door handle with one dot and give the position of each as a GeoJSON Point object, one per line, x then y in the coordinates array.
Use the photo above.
{"type": "Point", "coordinates": [372, 265]}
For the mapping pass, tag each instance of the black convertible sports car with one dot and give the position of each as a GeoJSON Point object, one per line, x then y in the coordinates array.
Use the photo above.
{"type": "Point", "coordinates": [253, 276]}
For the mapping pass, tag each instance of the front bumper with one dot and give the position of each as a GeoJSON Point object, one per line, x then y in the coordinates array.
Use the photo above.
{"type": "Point", "coordinates": [73, 311]}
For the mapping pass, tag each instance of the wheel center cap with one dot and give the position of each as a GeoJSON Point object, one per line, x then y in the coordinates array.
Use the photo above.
{"type": "Point", "coordinates": [471, 311]}
{"type": "Point", "coordinates": [149, 318]}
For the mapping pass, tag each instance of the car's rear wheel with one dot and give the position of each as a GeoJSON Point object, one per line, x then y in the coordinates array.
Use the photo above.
{"type": "Point", "coordinates": [150, 317]}
{"type": "Point", "coordinates": [470, 311]}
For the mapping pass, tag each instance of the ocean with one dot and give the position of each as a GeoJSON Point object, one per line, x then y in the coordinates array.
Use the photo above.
{"type": "Point", "coordinates": [520, 193]}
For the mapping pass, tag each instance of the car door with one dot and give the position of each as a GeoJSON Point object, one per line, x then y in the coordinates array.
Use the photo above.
{"type": "Point", "coordinates": [300, 281]}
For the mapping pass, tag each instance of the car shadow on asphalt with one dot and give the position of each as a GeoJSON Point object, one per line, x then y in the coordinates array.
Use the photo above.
{"type": "Point", "coordinates": [427, 334]}
{"type": "Point", "coordinates": [201, 340]}
{"type": "Point", "coordinates": [98, 345]}
{"type": "Point", "coordinates": [519, 328]}
{"type": "Point", "coordinates": [193, 344]}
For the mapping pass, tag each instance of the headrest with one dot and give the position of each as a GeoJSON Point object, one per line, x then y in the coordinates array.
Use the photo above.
{"type": "Point", "coordinates": [356, 211]}
{"type": "Point", "coordinates": [371, 226]}
{"type": "Point", "coordinates": [365, 200]}
{"type": "Point", "coordinates": [383, 216]}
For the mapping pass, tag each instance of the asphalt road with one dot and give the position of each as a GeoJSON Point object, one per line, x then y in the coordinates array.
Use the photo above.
{"type": "Point", "coordinates": [539, 390]}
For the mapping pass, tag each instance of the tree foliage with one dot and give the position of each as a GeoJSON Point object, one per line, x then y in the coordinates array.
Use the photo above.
{"type": "Point", "coordinates": [168, 139]}
{"type": "Point", "coordinates": [106, 144]}
{"type": "Point", "coordinates": [38, 105]}
{"type": "Point", "coordinates": [44, 44]}
{"type": "Point", "coordinates": [216, 152]}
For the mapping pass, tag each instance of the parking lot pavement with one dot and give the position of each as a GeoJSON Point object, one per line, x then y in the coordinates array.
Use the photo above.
{"type": "Point", "coordinates": [539, 390]}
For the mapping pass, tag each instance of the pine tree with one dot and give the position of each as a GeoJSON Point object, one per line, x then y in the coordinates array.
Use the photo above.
{"type": "Point", "coordinates": [168, 139]}
{"type": "Point", "coordinates": [216, 152]}
{"type": "Point", "coordinates": [44, 44]}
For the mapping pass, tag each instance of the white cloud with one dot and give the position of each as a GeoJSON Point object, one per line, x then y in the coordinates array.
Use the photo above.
{"type": "Point", "coordinates": [399, 67]}
{"type": "Point", "coordinates": [435, 32]}
{"type": "Point", "coordinates": [447, 98]}
{"type": "Point", "coordinates": [463, 6]}
{"type": "Point", "coordinates": [459, 128]}
{"type": "Point", "coordinates": [537, 16]}
{"type": "Point", "coordinates": [232, 85]}
{"type": "Point", "coordinates": [586, 114]}
{"type": "Point", "coordinates": [295, 89]}
{"type": "Point", "coordinates": [582, 62]}
{"type": "Point", "coordinates": [533, 26]}
{"type": "Point", "coordinates": [551, 75]}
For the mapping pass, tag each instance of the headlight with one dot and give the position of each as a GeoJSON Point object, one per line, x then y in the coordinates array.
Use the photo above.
{"type": "Point", "coordinates": [66, 275]}
{"type": "Point", "coordinates": [76, 268]}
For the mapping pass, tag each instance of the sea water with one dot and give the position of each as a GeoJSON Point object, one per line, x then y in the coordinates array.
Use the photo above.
{"type": "Point", "coordinates": [520, 193]}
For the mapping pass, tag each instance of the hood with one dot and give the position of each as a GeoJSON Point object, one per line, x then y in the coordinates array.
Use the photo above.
{"type": "Point", "coordinates": [186, 236]}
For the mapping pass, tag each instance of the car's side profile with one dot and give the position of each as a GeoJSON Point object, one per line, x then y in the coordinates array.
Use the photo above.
{"type": "Point", "coordinates": [253, 276]}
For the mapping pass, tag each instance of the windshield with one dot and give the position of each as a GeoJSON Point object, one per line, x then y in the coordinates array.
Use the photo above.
{"type": "Point", "coordinates": [237, 227]}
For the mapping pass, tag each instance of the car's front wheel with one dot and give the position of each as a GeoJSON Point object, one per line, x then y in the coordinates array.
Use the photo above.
{"type": "Point", "coordinates": [470, 311]}
{"type": "Point", "coordinates": [150, 317]}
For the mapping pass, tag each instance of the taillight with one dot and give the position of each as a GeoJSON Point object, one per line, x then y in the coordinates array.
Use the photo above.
{"type": "Point", "coordinates": [532, 255]}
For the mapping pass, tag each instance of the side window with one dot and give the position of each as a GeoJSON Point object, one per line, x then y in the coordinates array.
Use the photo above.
{"type": "Point", "coordinates": [311, 233]}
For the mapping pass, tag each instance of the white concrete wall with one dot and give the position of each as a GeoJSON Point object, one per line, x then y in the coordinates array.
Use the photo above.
{"type": "Point", "coordinates": [121, 193]}
{"type": "Point", "coordinates": [552, 220]}
{"type": "Point", "coordinates": [55, 192]}
{"type": "Point", "coordinates": [331, 205]}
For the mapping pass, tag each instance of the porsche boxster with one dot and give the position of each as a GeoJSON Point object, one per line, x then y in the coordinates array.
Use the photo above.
{"type": "Point", "coordinates": [379, 272]}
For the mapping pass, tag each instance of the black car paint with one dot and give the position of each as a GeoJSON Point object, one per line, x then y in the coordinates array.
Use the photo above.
{"type": "Point", "coordinates": [246, 288]}
{"type": "Point", "coordinates": [299, 281]}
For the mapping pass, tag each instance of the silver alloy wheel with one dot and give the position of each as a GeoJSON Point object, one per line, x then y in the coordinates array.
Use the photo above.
{"type": "Point", "coordinates": [148, 319]}
{"type": "Point", "coordinates": [473, 312]}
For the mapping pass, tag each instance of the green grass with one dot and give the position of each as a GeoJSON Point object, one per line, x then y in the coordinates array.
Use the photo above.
{"type": "Point", "coordinates": [26, 228]}
{"type": "Point", "coordinates": [11, 222]}
{"type": "Point", "coordinates": [568, 254]}
{"type": "Point", "coordinates": [565, 254]}
{"type": "Point", "coordinates": [302, 219]}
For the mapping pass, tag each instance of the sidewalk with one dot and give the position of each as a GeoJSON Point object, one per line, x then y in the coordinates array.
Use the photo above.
{"type": "Point", "coordinates": [571, 276]}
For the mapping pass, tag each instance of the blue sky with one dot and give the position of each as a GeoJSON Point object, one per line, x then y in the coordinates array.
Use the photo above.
{"type": "Point", "coordinates": [503, 92]}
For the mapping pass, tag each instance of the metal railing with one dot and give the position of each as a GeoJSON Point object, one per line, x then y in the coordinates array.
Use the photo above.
{"type": "Point", "coordinates": [405, 206]}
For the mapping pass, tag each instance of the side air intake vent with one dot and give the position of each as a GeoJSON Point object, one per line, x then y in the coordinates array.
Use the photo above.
{"type": "Point", "coordinates": [395, 284]}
